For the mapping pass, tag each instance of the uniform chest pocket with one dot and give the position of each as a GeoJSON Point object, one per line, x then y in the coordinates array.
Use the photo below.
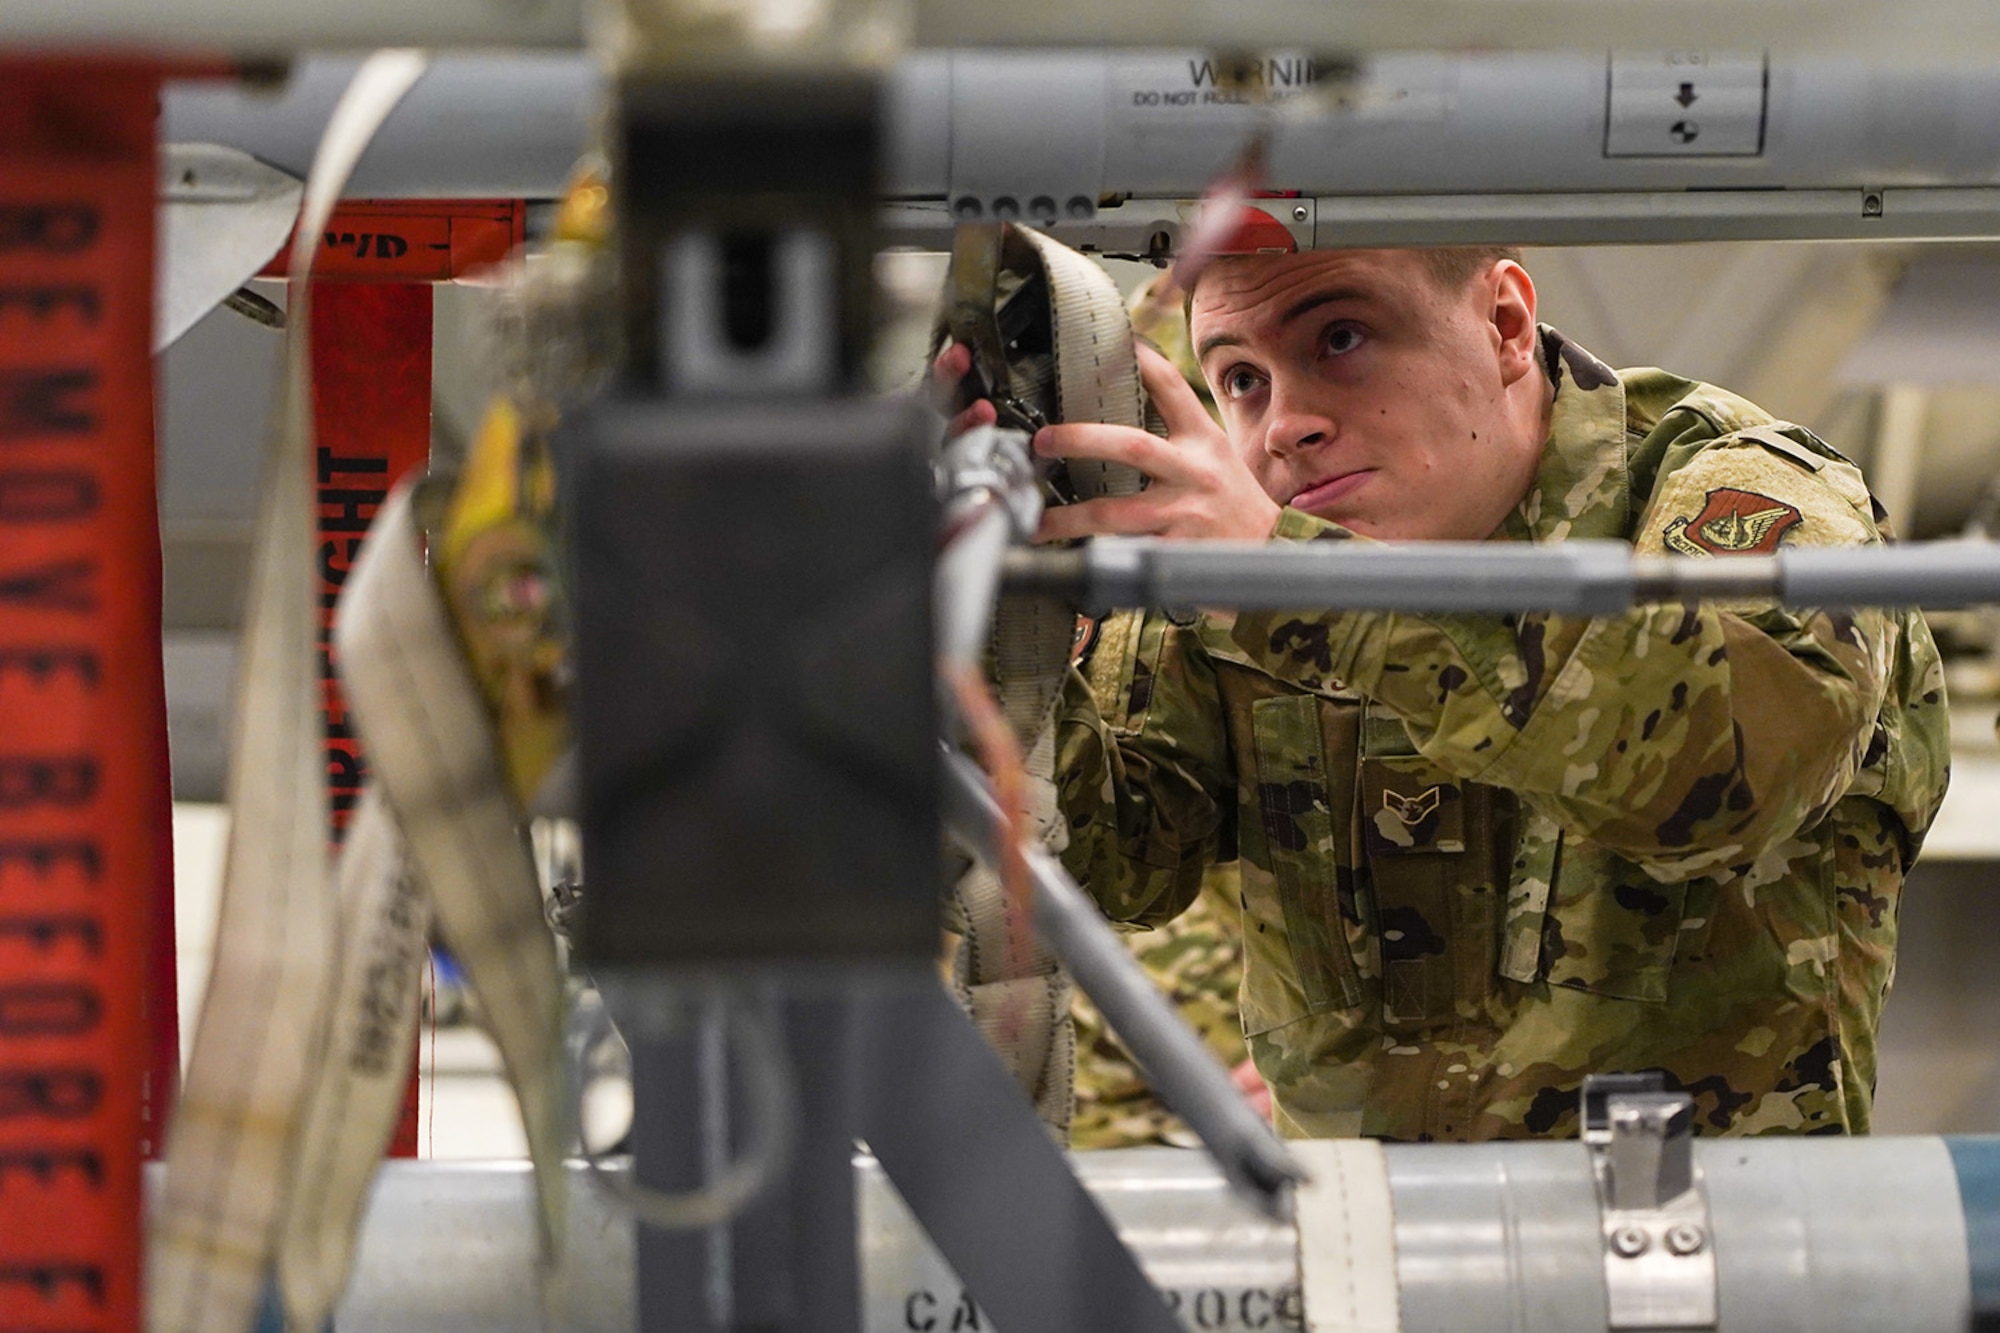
{"type": "Point", "coordinates": [1309, 897]}
{"type": "Point", "coordinates": [1430, 840]}
{"type": "Point", "coordinates": [1583, 918]}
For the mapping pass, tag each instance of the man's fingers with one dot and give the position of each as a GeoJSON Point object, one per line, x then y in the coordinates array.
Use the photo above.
{"type": "Point", "coordinates": [954, 363]}
{"type": "Point", "coordinates": [1117, 516]}
{"type": "Point", "coordinates": [1173, 397]}
{"type": "Point", "coordinates": [1111, 444]}
{"type": "Point", "coordinates": [981, 413]}
{"type": "Point", "coordinates": [949, 372]}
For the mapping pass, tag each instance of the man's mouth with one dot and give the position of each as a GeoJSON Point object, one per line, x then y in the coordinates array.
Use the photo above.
{"type": "Point", "coordinates": [1332, 491]}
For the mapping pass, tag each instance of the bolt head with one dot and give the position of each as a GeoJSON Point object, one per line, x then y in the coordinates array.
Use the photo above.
{"type": "Point", "coordinates": [1685, 1238]}
{"type": "Point", "coordinates": [1300, 213]}
{"type": "Point", "coordinates": [1630, 1242]}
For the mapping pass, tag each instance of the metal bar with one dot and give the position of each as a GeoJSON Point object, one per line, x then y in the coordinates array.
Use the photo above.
{"type": "Point", "coordinates": [977, 1167]}
{"type": "Point", "coordinates": [202, 27]}
{"type": "Point", "coordinates": [1920, 30]}
{"type": "Point", "coordinates": [793, 1252]}
{"type": "Point", "coordinates": [1183, 1070]}
{"type": "Point", "coordinates": [1854, 213]}
{"type": "Point", "coordinates": [1417, 148]}
{"type": "Point", "coordinates": [1587, 578]}
{"type": "Point", "coordinates": [1823, 1234]}
{"type": "Point", "coordinates": [1934, 30]}
{"type": "Point", "coordinates": [671, 1151]}
{"type": "Point", "coordinates": [449, 1247]}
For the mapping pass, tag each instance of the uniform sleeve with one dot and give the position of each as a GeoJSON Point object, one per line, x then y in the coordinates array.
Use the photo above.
{"type": "Point", "coordinates": [1691, 739]}
{"type": "Point", "coordinates": [1141, 764]}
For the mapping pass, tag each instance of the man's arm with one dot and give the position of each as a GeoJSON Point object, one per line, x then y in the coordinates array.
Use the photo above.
{"type": "Point", "coordinates": [1142, 767]}
{"type": "Point", "coordinates": [1691, 739]}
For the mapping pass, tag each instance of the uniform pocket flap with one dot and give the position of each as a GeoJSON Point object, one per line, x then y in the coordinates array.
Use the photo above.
{"type": "Point", "coordinates": [1611, 930]}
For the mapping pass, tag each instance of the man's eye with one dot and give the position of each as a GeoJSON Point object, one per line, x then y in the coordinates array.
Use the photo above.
{"type": "Point", "coordinates": [1342, 339]}
{"type": "Point", "coordinates": [1237, 382]}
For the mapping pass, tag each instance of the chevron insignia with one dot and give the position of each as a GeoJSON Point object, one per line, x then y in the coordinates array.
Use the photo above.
{"type": "Point", "coordinates": [1411, 810]}
{"type": "Point", "coordinates": [1733, 522]}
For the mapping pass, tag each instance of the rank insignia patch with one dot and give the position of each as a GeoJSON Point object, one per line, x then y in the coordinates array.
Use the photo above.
{"type": "Point", "coordinates": [1733, 522]}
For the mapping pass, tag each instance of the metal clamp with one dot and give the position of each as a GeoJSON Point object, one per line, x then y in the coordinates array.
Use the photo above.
{"type": "Point", "coordinates": [990, 461]}
{"type": "Point", "coordinates": [1659, 1251]}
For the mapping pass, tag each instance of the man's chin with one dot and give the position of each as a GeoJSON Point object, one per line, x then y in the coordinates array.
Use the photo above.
{"type": "Point", "coordinates": [1347, 516]}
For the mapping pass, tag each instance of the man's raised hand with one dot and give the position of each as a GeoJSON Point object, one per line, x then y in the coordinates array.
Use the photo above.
{"type": "Point", "coordinates": [1199, 486]}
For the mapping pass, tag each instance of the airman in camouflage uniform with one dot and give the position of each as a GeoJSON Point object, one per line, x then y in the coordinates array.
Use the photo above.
{"type": "Point", "coordinates": [1482, 856]}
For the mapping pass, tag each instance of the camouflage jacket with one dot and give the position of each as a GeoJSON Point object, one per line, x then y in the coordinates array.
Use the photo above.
{"type": "Point", "coordinates": [1482, 856]}
{"type": "Point", "coordinates": [1196, 958]}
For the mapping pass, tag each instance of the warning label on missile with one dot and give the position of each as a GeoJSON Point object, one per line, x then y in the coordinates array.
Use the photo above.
{"type": "Point", "coordinates": [1222, 82]}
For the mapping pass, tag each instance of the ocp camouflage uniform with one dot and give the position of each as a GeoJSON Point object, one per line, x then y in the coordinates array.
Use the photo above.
{"type": "Point", "coordinates": [1196, 959]}
{"type": "Point", "coordinates": [1484, 855]}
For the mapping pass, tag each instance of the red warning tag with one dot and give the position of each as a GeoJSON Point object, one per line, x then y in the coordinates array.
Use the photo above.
{"type": "Point", "coordinates": [413, 240]}
{"type": "Point", "coordinates": [371, 366]}
{"type": "Point", "coordinates": [84, 851]}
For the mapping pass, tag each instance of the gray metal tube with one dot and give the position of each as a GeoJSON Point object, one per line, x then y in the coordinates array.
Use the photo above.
{"type": "Point", "coordinates": [1586, 578]}
{"type": "Point", "coordinates": [1580, 578]}
{"type": "Point", "coordinates": [1931, 574]}
{"type": "Point", "coordinates": [204, 27]}
{"type": "Point", "coordinates": [1811, 1234]}
{"type": "Point", "coordinates": [1420, 148]}
{"type": "Point", "coordinates": [1497, 1238]}
{"type": "Point", "coordinates": [1184, 1071]}
{"type": "Point", "coordinates": [449, 1247]}
{"type": "Point", "coordinates": [1838, 1236]}
{"type": "Point", "coordinates": [475, 127]}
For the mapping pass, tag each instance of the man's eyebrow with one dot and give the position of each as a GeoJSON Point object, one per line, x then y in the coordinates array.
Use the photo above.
{"type": "Point", "coordinates": [1318, 299]}
{"type": "Point", "coordinates": [1213, 341]}
{"type": "Point", "coordinates": [1299, 310]}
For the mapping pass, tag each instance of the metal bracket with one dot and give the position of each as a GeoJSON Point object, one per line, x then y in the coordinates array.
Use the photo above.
{"type": "Point", "coordinates": [990, 461]}
{"type": "Point", "coordinates": [1659, 1251]}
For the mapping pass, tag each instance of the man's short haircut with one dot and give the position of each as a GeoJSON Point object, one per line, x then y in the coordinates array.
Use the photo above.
{"type": "Point", "coordinates": [1451, 267]}
{"type": "Point", "coordinates": [1455, 265]}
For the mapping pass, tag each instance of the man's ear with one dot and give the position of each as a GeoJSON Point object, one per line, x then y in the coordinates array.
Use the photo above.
{"type": "Point", "coordinates": [1513, 316]}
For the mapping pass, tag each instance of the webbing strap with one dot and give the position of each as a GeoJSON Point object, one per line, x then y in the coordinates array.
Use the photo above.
{"type": "Point", "coordinates": [1097, 363]}
{"type": "Point", "coordinates": [438, 761]}
{"type": "Point", "coordinates": [1019, 998]}
{"type": "Point", "coordinates": [445, 774]}
{"type": "Point", "coordinates": [972, 291]}
{"type": "Point", "coordinates": [356, 1096]}
{"type": "Point", "coordinates": [214, 1226]}
{"type": "Point", "coordinates": [1347, 1238]}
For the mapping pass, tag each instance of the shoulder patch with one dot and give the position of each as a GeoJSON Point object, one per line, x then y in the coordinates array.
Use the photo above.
{"type": "Point", "coordinates": [1084, 639]}
{"type": "Point", "coordinates": [1733, 522]}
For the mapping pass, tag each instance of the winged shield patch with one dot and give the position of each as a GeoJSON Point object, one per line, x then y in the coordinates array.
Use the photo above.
{"type": "Point", "coordinates": [1733, 522]}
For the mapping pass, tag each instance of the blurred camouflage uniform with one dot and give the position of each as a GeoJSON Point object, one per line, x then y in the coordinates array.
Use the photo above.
{"type": "Point", "coordinates": [1196, 958]}
{"type": "Point", "coordinates": [1482, 856]}
{"type": "Point", "coordinates": [1197, 961]}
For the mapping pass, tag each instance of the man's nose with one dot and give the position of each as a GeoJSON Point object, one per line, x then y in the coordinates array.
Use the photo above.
{"type": "Point", "coordinates": [1296, 424]}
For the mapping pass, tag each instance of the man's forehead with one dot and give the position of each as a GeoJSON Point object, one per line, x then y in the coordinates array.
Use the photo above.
{"type": "Point", "coordinates": [1240, 284]}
